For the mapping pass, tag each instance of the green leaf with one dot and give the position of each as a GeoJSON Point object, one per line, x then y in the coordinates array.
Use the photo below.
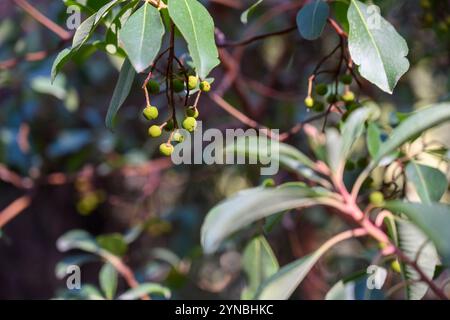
{"type": "Point", "coordinates": [337, 292]}
{"type": "Point", "coordinates": [197, 28]}
{"type": "Point", "coordinates": [259, 263]}
{"type": "Point", "coordinates": [121, 92]}
{"type": "Point", "coordinates": [251, 205]}
{"type": "Point", "coordinates": [108, 280]}
{"type": "Point", "coordinates": [430, 183]}
{"type": "Point", "coordinates": [312, 18]}
{"type": "Point", "coordinates": [417, 247]}
{"type": "Point", "coordinates": [376, 46]}
{"type": "Point", "coordinates": [83, 32]}
{"type": "Point", "coordinates": [248, 12]}
{"type": "Point", "coordinates": [373, 138]}
{"type": "Point", "coordinates": [77, 239]}
{"type": "Point", "coordinates": [432, 219]}
{"type": "Point", "coordinates": [416, 124]}
{"type": "Point", "coordinates": [143, 289]}
{"type": "Point", "coordinates": [78, 260]}
{"type": "Point", "coordinates": [60, 61]}
{"type": "Point", "coordinates": [141, 36]}
{"type": "Point", "coordinates": [114, 243]}
{"type": "Point", "coordinates": [282, 284]}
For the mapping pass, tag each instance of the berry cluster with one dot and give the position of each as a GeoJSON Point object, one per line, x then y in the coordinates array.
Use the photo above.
{"type": "Point", "coordinates": [150, 112]}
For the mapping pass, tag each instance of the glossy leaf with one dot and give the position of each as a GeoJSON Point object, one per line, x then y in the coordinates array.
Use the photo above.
{"type": "Point", "coordinates": [432, 219]}
{"type": "Point", "coordinates": [197, 28]}
{"type": "Point", "coordinates": [121, 92]}
{"type": "Point", "coordinates": [312, 18]}
{"type": "Point", "coordinates": [248, 12]}
{"type": "Point", "coordinates": [430, 183]}
{"type": "Point", "coordinates": [141, 36]}
{"type": "Point", "coordinates": [417, 247]}
{"type": "Point", "coordinates": [251, 205]}
{"type": "Point", "coordinates": [376, 47]}
{"type": "Point", "coordinates": [108, 280]}
{"type": "Point", "coordinates": [259, 263]}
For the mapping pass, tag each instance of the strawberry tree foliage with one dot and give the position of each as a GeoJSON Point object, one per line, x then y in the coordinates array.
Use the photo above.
{"type": "Point", "coordinates": [412, 232]}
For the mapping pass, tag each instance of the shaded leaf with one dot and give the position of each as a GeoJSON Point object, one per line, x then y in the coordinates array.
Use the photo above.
{"type": "Point", "coordinates": [376, 47]}
{"type": "Point", "coordinates": [143, 289]}
{"type": "Point", "coordinates": [312, 18]}
{"type": "Point", "coordinates": [60, 61]}
{"type": "Point", "coordinates": [430, 183]}
{"type": "Point", "coordinates": [114, 243]}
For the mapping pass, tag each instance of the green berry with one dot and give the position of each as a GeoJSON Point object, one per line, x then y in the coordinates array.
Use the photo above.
{"type": "Point", "coordinates": [205, 86]}
{"type": "Point", "coordinates": [177, 85]}
{"type": "Point", "coordinates": [192, 112]}
{"type": "Point", "coordinates": [190, 124]}
{"type": "Point", "coordinates": [169, 125]}
{"type": "Point", "coordinates": [192, 82]}
{"type": "Point", "coordinates": [178, 137]}
{"type": "Point", "coordinates": [346, 79]}
{"type": "Point", "coordinates": [150, 112]}
{"type": "Point", "coordinates": [395, 265]}
{"type": "Point", "coordinates": [153, 87]}
{"type": "Point", "coordinates": [309, 102]}
{"type": "Point", "coordinates": [321, 89]}
{"type": "Point", "coordinates": [332, 98]}
{"type": "Point", "coordinates": [154, 131]}
{"type": "Point", "coordinates": [319, 106]}
{"type": "Point", "coordinates": [376, 198]}
{"type": "Point", "coordinates": [348, 97]}
{"type": "Point", "coordinates": [166, 149]}
{"type": "Point", "coordinates": [268, 183]}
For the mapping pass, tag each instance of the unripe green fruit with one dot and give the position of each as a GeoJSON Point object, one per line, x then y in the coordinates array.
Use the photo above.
{"type": "Point", "coordinates": [349, 96]}
{"type": "Point", "coordinates": [346, 79]}
{"type": "Point", "coordinates": [150, 112]}
{"type": "Point", "coordinates": [395, 265]}
{"type": "Point", "coordinates": [190, 124]}
{"type": "Point", "coordinates": [169, 125]}
{"type": "Point", "coordinates": [192, 82]}
{"type": "Point", "coordinates": [268, 183]}
{"type": "Point", "coordinates": [205, 86]}
{"type": "Point", "coordinates": [166, 149]}
{"type": "Point", "coordinates": [153, 87]}
{"type": "Point", "coordinates": [178, 137]}
{"type": "Point", "coordinates": [319, 106]}
{"type": "Point", "coordinates": [332, 98]}
{"type": "Point", "coordinates": [376, 198]}
{"type": "Point", "coordinates": [177, 85]}
{"type": "Point", "coordinates": [192, 112]}
{"type": "Point", "coordinates": [321, 89]}
{"type": "Point", "coordinates": [154, 131]}
{"type": "Point", "coordinates": [309, 102]}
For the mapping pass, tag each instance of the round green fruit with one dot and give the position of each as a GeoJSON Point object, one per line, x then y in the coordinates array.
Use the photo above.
{"type": "Point", "coordinates": [154, 131]}
{"type": "Point", "coordinates": [319, 106]}
{"type": "Point", "coordinates": [192, 82]}
{"type": "Point", "coordinates": [332, 98]}
{"type": "Point", "coordinates": [177, 85]}
{"type": "Point", "coordinates": [321, 89]}
{"type": "Point", "coordinates": [153, 87]}
{"type": "Point", "coordinates": [150, 112]}
{"type": "Point", "coordinates": [346, 79]}
{"type": "Point", "coordinates": [348, 97]}
{"type": "Point", "coordinates": [205, 86]}
{"type": "Point", "coordinates": [190, 124]}
{"type": "Point", "coordinates": [376, 198]}
{"type": "Point", "coordinates": [178, 137]}
{"type": "Point", "coordinates": [395, 265]}
{"type": "Point", "coordinates": [309, 102]}
{"type": "Point", "coordinates": [166, 149]}
{"type": "Point", "coordinates": [192, 112]}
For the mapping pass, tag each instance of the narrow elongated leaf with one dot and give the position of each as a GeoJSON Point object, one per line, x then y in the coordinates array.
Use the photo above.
{"type": "Point", "coordinates": [143, 289]}
{"type": "Point", "coordinates": [121, 92]}
{"type": "Point", "coordinates": [259, 263]}
{"type": "Point", "coordinates": [141, 36]}
{"type": "Point", "coordinates": [251, 205]}
{"type": "Point", "coordinates": [376, 46]}
{"type": "Point", "coordinates": [108, 280]}
{"type": "Point", "coordinates": [282, 284]}
{"type": "Point", "coordinates": [197, 28]}
{"type": "Point", "coordinates": [373, 138]}
{"type": "Point", "coordinates": [312, 18]}
{"type": "Point", "coordinates": [77, 239]}
{"type": "Point", "coordinates": [247, 13]}
{"type": "Point", "coordinates": [60, 61]}
{"type": "Point", "coordinates": [432, 219]}
{"type": "Point", "coordinates": [430, 183]}
{"type": "Point", "coordinates": [415, 124]}
{"type": "Point", "coordinates": [417, 247]}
